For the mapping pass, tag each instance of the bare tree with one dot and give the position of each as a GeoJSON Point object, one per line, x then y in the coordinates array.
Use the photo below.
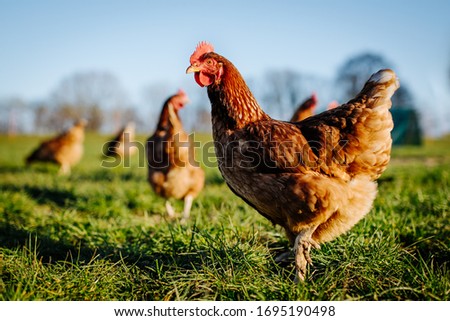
{"type": "Point", "coordinates": [95, 115]}
{"type": "Point", "coordinates": [41, 115]}
{"type": "Point", "coordinates": [355, 71]}
{"type": "Point", "coordinates": [352, 75]}
{"type": "Point", "coordinates": [154, 96]}
{"type": "Point", "coordinates": [283, 90]}
{"type": "Point", "coordinates": [86, 95]}
{"type": "Point", "coordinates": [121, 116]}
{"type": "Point", "coordinates": [13, 122]}
{"type": "Point", "coordinates": [203, 121]}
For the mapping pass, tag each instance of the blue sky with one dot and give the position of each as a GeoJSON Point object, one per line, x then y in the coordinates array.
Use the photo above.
{"type": "Point", "coordinates": [143, 42]}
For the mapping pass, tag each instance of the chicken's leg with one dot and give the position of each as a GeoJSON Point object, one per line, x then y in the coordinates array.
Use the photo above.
{"type": "Point", "coordinates": [187, 207]}
{"type": "Point", "coordinates": [170, 210]}
{"type": "Point", "coordinates": [302, 247]}
{"type": "Point", "coordinates": [64, 169]}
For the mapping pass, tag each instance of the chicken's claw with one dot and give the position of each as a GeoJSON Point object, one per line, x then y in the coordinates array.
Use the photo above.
{"type": "Point", "coordinates": [302, 248]}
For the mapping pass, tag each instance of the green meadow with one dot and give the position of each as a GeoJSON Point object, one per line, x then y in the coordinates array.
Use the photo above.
{"type": "Point", "coordinates": [102, 234]}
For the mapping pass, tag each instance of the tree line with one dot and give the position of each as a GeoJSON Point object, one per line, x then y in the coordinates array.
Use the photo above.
{"type": "Point", "coordinates": [100, 98]}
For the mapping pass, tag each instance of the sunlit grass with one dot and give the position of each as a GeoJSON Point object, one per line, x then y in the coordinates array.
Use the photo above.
{"type": "Point", "coordinates": [101, 234]}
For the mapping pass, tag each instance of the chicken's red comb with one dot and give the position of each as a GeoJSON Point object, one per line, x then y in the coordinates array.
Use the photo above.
{"type": "Point", "coordinates": [181, 92]}
{"type": "Point", "coordinates": [202, 48]}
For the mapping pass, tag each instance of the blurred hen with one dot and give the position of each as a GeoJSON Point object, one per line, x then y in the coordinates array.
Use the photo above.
{"type": "Point", "coordinates": [66, 149]}
{"type": "Point", "coordinates": [172, 171]}
{"type": "Point", "coordinates": [305, 109]}
{"type": "Point", "coordinates": [122, 145]}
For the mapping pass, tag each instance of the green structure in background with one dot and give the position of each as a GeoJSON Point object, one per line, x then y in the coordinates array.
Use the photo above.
{"type": "Point", "coordinates": [406, 126]}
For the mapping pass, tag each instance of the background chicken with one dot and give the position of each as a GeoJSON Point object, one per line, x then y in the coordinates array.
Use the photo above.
{"type": "Point", "coordinates": [65, 149]}
{"type": "Point", "coordinates": [172, 171]}
{"type": "Point", "coordinates": [122, 145]}
{"type": "Point", "coordinates": [305, 109]}
{"type": "Point", "coordinates": [315, 178]}
{"type": "Point", "coordinates": [332, 104]}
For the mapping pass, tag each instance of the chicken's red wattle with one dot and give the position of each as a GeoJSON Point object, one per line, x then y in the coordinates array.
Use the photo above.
{"type": "Point", "coordinates": [203, 79]}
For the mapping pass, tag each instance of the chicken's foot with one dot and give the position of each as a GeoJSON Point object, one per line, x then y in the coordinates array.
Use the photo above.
{"type": "Point", "coordinates": [302, 248]}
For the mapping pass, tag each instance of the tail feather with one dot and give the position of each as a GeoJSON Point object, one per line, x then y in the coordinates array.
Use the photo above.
{"type": "Point", "coordinates": [362, 126]}
{"type": "Point", "coordinates": [380, 87]}
{"type": "Point", "coordinates": [374, 128]}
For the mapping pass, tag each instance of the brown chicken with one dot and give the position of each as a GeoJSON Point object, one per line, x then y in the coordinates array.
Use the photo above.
{"type": "Point", "coordinates": [315, 178]}
{"type": "Point", "coordinates": [172, 170]}
{"type": "Point", "coordinates": [65, 149]}
{"type": "Point", "coordinates": [305, 109]}
{"type": "Point", "coordinates": [123, 145]}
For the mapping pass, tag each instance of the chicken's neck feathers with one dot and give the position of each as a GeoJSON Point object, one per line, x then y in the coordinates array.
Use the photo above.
{"type": "Point", "coordinates": [232, 103]}
{"type": "Point", "coordinates": [167, 117]}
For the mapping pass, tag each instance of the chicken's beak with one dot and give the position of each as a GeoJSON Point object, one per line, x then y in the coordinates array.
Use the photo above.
{"type": "Point", "coordinates": [192, 69]}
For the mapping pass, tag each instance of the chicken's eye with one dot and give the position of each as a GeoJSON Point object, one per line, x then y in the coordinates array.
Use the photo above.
{"type": "Point", "coordinates": [209, 62]}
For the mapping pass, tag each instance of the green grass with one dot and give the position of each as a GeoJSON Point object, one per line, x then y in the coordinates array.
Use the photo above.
{"type": "Point", "coordinates": [101, 234]}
